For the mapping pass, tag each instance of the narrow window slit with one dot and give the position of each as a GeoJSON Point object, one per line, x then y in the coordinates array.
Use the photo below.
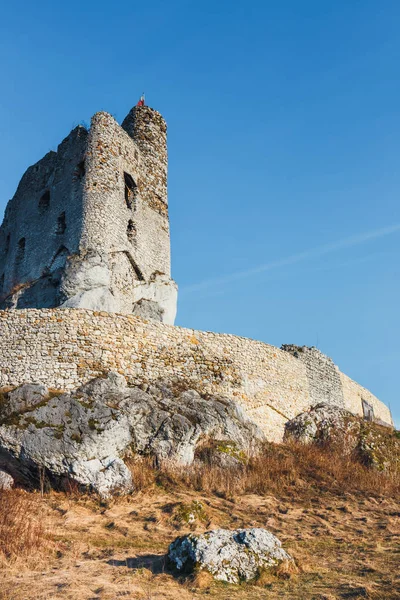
{"type": "Point", "coordinates": [80, 170]}
{"type": "Point", "coordinates": [61, 224]}
{"type": "Point", "coordinates": [130, 190]}
{"type": "Point", "coordinates": [131, 231]}
{"type": "Point", "coordinates": [20, 251]}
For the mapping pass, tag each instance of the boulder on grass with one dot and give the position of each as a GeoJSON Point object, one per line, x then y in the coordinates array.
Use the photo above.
{"type": "Point", "coordinates": [323, 423]}
{"type": "Point", "coordinates": [231, 556]}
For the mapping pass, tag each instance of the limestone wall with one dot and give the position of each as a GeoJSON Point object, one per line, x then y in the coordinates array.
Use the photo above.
{"type": "Point", "coordinates": [354, 393]}
{"type": "Point", "coordinates": [323, 375]}
{"type": "Point", "coordinates": [66, 347]}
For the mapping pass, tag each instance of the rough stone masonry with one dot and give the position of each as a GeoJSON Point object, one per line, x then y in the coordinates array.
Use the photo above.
{"type": "Point", "coordinates": [85, 257]}
{"type": "Point", "coordinates": [64, 348]}
{"type": "Point", "coordinates": [88, 226]}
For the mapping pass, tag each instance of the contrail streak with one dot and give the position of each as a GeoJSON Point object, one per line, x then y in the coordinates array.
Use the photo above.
{"type": "Point", "coordinates": [355, 240]}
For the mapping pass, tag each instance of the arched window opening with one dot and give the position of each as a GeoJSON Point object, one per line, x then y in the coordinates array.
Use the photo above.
{"type": "Point", "coordinates": [131, 231]}
{"type": "Point", "coordinates": [61, 224]}
{"type": "Point", "coordinates": [20, 251]}
{"type": "Point", "coordinates": [7, 246]}
{"type": "Point", "coordinates": [44, 202]}
{"type": "Point", "coordinates": [130, 190]}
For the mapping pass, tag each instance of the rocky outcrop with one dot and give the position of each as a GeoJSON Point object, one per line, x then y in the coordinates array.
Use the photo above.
{"type": "Point", "coordinates": [321, 423]}
{"type": "Point", "coordinates": [230, 556]}
{"type": "Point", "coordinates": [372, 444]}
{"type": "Point", "coordinates": [84, 435]}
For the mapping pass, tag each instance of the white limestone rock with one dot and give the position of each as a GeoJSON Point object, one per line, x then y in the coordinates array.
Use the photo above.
{"type": "Point", "coordinates": [321, 423]}
{"type": "Point", "coordinates": [84, 435]}
{"type": "Point", "coordinates": [230, 556]}
{"type": "Point", "coordinates": [86, 283]}
{"type": "Point", "coordinates": [148, 309]}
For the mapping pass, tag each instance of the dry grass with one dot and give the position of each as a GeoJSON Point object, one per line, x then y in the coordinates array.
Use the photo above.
{"type": "Point", "coordinates": [338, 519]}
{"type": "Point", "coordinates": [22, 528]}
{"type": "Point", "coordinates": [295, 469]}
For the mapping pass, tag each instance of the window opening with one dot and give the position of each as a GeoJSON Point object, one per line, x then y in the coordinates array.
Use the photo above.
{"type": "Point", "coordinates": [44, 202]}
{"type": "Point", "coordinates": [20, 251]}
{"type": "Point", "coordinates": [368, 410]}
{"type": "Point", "coordinates": [7, 243]}
{"type": "Point", "coordinates": [131, 231]}
{"type": "Point", "coordinates": [130, 190]}
{"type": "Point", "coordinates": [61, 224]}
{"type": "Point", "coordinates": [81, 170]}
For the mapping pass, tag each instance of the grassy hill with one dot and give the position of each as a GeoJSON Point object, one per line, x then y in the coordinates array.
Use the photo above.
{"type": "Point", "coordinates": [339, 518]}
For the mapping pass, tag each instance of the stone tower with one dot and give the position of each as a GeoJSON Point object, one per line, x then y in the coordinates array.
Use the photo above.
{"type": "Point", "coordinates": [88, 226]}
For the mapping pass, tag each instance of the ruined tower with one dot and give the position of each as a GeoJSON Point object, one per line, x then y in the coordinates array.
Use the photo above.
{"type": "Point", "coordinates": [88, 226]}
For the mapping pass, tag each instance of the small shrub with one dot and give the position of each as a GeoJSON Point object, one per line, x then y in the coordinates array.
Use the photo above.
{"type": "Point", "coordinates": [190, 514]}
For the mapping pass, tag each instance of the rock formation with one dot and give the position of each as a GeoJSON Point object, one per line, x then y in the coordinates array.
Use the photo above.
{"type": "Point", "coordinates": [84, 435]}
{"type": "Point", "coordinates": [231, 556]}
{"type": "Point", "coordinates": [373, 444]}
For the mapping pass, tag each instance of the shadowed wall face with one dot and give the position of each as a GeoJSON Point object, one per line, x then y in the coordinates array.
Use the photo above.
{"type": "Point", "coordinates": [42, 226]}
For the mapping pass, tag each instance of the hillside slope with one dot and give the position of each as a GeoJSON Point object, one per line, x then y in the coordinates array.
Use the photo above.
{"type": "Point", "coordinates": [337, 517]}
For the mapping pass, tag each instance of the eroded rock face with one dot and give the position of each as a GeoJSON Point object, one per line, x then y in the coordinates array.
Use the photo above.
{"type": "Point", "coordinates": [85, 435]}
{"type": "Point", "coordinates": [230, 556]}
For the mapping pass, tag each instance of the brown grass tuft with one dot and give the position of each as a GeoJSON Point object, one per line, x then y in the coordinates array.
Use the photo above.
{"type": "Point", "coordinates": [144, 472]}
{"type": "Point", "coordinates": [22, 529]}
{"type": "Point", "coordinates": [202, 580]}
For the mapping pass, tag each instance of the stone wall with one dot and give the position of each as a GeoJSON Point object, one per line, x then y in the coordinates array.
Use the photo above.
{"type": "Point", "coordinates": [323, 375]}
{"type": "Point", "coordinates": [66, 347]}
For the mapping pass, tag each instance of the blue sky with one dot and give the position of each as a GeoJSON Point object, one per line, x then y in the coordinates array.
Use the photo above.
{"type": "Point", "coordinates": [284, 149]}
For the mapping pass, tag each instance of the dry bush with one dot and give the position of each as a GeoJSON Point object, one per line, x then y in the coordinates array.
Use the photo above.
{"type": "Point", "coordinates": [144, 472]}
{"type": "Point", "coordinates": [22, 529]}
{"type": "Point", "coordinates": [294, 469]}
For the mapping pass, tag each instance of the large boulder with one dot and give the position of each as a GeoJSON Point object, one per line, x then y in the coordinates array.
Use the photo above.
{"type": "Point", "coordinates": [231, 556]}
{"type": "Point", "coordinates": [85, 435]}
{"type": "Point", "coordinates": [322, 423]}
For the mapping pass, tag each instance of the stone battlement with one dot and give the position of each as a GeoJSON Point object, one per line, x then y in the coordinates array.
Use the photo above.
{"type": "Point", "coordinates": [64, 348]}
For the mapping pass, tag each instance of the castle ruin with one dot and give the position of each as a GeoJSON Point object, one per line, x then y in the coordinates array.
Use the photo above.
{"type": "Point", "coordinates": [85, 257]}
{"type": "Point", "coordinates": [88, 226]}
